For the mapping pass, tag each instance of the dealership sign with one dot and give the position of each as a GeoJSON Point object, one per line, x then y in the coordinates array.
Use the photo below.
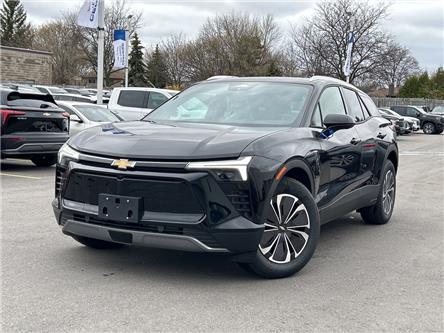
{"type": "Point", "coordinates": [120, 49]}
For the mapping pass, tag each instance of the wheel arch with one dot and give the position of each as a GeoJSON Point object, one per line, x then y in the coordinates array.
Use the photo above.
{"type": "Point", "coordinates": [299, 170]}
{"type": "Point", "coordinates": [392, 156]}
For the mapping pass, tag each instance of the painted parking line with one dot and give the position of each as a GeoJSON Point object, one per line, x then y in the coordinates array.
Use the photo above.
{"type": "Point", "coordinates": [19, 176]}
{"type": "Point", "coordinates": [421, 153]}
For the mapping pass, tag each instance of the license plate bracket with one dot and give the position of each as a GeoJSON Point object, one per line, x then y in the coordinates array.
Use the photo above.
{"type": "Point", "coordinates": [120, 208]}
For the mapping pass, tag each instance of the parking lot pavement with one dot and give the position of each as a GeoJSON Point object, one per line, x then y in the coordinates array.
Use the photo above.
{"type": "Point", "coordinates": [361, 278]}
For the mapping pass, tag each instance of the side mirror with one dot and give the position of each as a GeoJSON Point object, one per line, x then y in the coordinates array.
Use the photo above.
{"type": "Point", "coordinates": [75, 118]}
{"type": "Point", "coordinates": [338, 121]}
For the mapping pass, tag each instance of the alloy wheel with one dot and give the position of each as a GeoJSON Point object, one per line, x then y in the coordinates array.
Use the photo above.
{"type": "Point", "coordinates": [428, 128]}
{"type": "Point", "coordinates": [286, 230]}
{"type": "Point", "coordinates": [388, 192]}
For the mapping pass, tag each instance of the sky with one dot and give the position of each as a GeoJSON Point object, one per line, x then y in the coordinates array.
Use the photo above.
{"type": "Point", "coordinates": [418, 25]}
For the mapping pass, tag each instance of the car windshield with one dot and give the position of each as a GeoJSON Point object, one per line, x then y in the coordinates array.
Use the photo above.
{"type": "Point", "coordinates": [96, 113]}
{"type": "Point", "coordinates": [438, 109]}
{"type": "Point", "coordinates": [55, 90]}
{"type": "Point", "coordinates": [236, 103]}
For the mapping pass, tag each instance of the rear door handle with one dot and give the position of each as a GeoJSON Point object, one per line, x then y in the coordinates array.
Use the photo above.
{"type": "Point", "coordinates": [355, 141]}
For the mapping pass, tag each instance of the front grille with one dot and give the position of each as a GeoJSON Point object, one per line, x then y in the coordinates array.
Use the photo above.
{"type": "Point", "coordinates": [197, 233]}
{"type": "Point", "coordinates": [158, 195]}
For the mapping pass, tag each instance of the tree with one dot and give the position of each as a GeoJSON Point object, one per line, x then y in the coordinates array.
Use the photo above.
{"type": "Point", "coordinates": [232, 44]}
{"type": "Point", "coordinates": [321, 42]}
{"type": "Point", "coordinates": [157, 72]}
{"type": "Point", "coordinates": [64, 42]}
{"type": "Point", "coordinates": [396, 65]}
{"type": "Point", "coordinates": [14, 30]}
{"type": "Point", "coordinates": [137, 75]}
{"type": "Point", "coordinates": [173, 50]}
{"type": "Point", "coordinates": [437, 84]}
{"type": "Point", "coordinates": [416, 86]}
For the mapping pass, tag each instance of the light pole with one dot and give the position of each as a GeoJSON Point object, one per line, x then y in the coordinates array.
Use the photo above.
{"type": "Point", "coordinates": [127, 33]}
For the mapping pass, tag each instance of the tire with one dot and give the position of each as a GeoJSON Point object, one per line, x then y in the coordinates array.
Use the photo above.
{"type": "Point", "coordinates": [381, 211]}
{"type": "Point", "coordinates": [288, 242]}
{"type": "Point", "coordinates": [44, 160]}
{"type": "Point", "coordinates": [97, 243]}
{"type": "Point", "coordinates": [429, 128]}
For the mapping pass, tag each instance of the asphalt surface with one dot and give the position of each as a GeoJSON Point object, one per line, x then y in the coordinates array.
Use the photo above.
{"type": "Point", "coordinates": [362, 278]}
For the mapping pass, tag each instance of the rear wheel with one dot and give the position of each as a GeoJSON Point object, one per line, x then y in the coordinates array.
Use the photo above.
{"type": "Point", "coordinates": [44, 160]}
{"type": "Point", "coordinates": [291, 232]}
{"type": "Point", "coordinates": [97, 243]}
{"type": "Point", "coordinates": [429, 128]}
{"type": "Point", "coordinates": [382, 210]}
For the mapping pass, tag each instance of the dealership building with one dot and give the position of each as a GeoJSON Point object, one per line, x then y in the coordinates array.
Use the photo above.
{"type": "Point", "coordinates": [25, 66]}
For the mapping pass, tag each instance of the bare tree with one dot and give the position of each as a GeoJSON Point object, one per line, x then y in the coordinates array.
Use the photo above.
{"type": "Point", "coordinates": [173, 49]}
{"type": "Point", "coordinates": [321, 42]}
{"type": "Point", "coordinates": [64, 42]}
{"type": "Point", "coordinates": [232, 44]}
{"type": "Point", "coordinates": [396, 65]}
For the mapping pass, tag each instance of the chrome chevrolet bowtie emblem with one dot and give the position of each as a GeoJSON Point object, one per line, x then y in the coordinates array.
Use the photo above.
{"type": "Point", "coordinates": [123, 164]}
{"type": "Point", "coordinates": [46, 114]}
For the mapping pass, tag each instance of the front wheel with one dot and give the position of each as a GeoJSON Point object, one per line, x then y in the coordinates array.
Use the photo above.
{"type": "Point", "coordinates": [382, 210]}
{"type": "Point", "coordinates": [291, 221]}
{"type": "Point", "coordinates": [44, 160]}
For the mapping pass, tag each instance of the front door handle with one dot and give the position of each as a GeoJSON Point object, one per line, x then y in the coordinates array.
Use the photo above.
{"type": "Point", "coordinates": [381, 135]}
{"type": "Point", "coordinates": [355, 141]}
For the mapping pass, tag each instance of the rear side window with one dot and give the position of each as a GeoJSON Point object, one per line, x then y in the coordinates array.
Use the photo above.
{"type": "Point", "coordinates": [354, 106]}
{"type": "Point", "coordinates": [371, 107]}
{"type": "Point", "coordinates": [331, 102]}
{"type": "Point", "coordinates": [155, 99]}
{"type": "Point", "coordinates": [133, 98]}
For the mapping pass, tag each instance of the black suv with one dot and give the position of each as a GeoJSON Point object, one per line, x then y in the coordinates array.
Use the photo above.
{"type": "Point", "coordinates": [32, 127]}
{"type": "Point", "coordinates": [429, 122]}
{"type": "Point", "coordinates": [246, 166]}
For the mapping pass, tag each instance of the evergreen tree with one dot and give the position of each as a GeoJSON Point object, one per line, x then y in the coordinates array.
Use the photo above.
{"type": "Point", "coordinates": [14, 29]}
{"type": "Point", "coordinates": [137, 74]}
{"type": "Point", "coordinates": [157, 71]}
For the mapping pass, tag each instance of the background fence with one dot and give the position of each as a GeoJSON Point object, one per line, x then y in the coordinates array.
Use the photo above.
{"type": "Point", "coordinates": [387, 102]}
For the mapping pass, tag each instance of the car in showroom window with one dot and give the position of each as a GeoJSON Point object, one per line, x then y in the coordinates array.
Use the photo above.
{"type": "Point", "coordinates": [249, 167]}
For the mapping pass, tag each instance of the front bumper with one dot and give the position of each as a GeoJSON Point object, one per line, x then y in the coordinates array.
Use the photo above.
{"type": "Point", "coordinates": [207, 216]}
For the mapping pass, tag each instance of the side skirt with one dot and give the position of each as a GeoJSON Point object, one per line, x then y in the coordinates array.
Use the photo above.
{"type": "Point", "coordinates": [359, 198]}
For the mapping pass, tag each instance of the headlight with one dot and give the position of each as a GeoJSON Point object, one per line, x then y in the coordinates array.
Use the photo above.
{"type": "Point", "coordinates": [66, 154]}
{"type": "Point", "coordinates": [225, 170]}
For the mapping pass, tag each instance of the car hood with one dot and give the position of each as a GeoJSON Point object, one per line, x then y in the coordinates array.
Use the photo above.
{"type": "Point", "coordinates": [410, 119]}
{"type": "Point", "coordinates": [178, 141]}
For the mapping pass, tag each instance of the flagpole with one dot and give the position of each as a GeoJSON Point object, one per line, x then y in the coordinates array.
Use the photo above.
{"type": "Point", "coordinates": [347, 78]}
{"type": "Point", "coordinates": [100, 50]}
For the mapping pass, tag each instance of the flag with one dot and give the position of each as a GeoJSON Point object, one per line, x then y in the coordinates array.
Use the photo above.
{"type": "Point", "coordinates": [88, 15]}
{"type": "Point", "coordinates": [120, 51]}
{"type": "Point", "coordinates": [348, 60]}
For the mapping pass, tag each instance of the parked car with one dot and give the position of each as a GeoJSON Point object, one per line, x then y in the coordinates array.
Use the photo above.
{"type": "Point", "coordinates": [429, 122]}
{"type": "Point", "coordinates": [50, 90]}
{"type": "Point", "coordinates": [72, 97]}
{"type": "Point", "coordinates": [134, 103]}
{"type": "Point", "coordinates": [76, 91]}
{"type": "Point", "coordinates": [439, 110]}
{"type": "Point", "coordinates": [413, 123]}
{"type": "Point", "coordinates": [85, 115]}
{"type": "Point", "coordinates": [254, 176]}
{"type": "Point", "coordinates": [400, 125]}
{"type": "Point", "coordinates": [93, 92]}
{"type": "Point", "coordinates": [32, 127]}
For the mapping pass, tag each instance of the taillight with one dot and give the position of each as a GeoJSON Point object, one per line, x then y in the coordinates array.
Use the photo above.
{"type": "Point", "coordinates": [7, 113]}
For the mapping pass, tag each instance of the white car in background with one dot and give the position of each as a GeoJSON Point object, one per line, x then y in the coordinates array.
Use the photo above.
{"type": "Point", "coordinates": [134, 103]}
{"type": "Point", "coordinates": [85, 115]}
